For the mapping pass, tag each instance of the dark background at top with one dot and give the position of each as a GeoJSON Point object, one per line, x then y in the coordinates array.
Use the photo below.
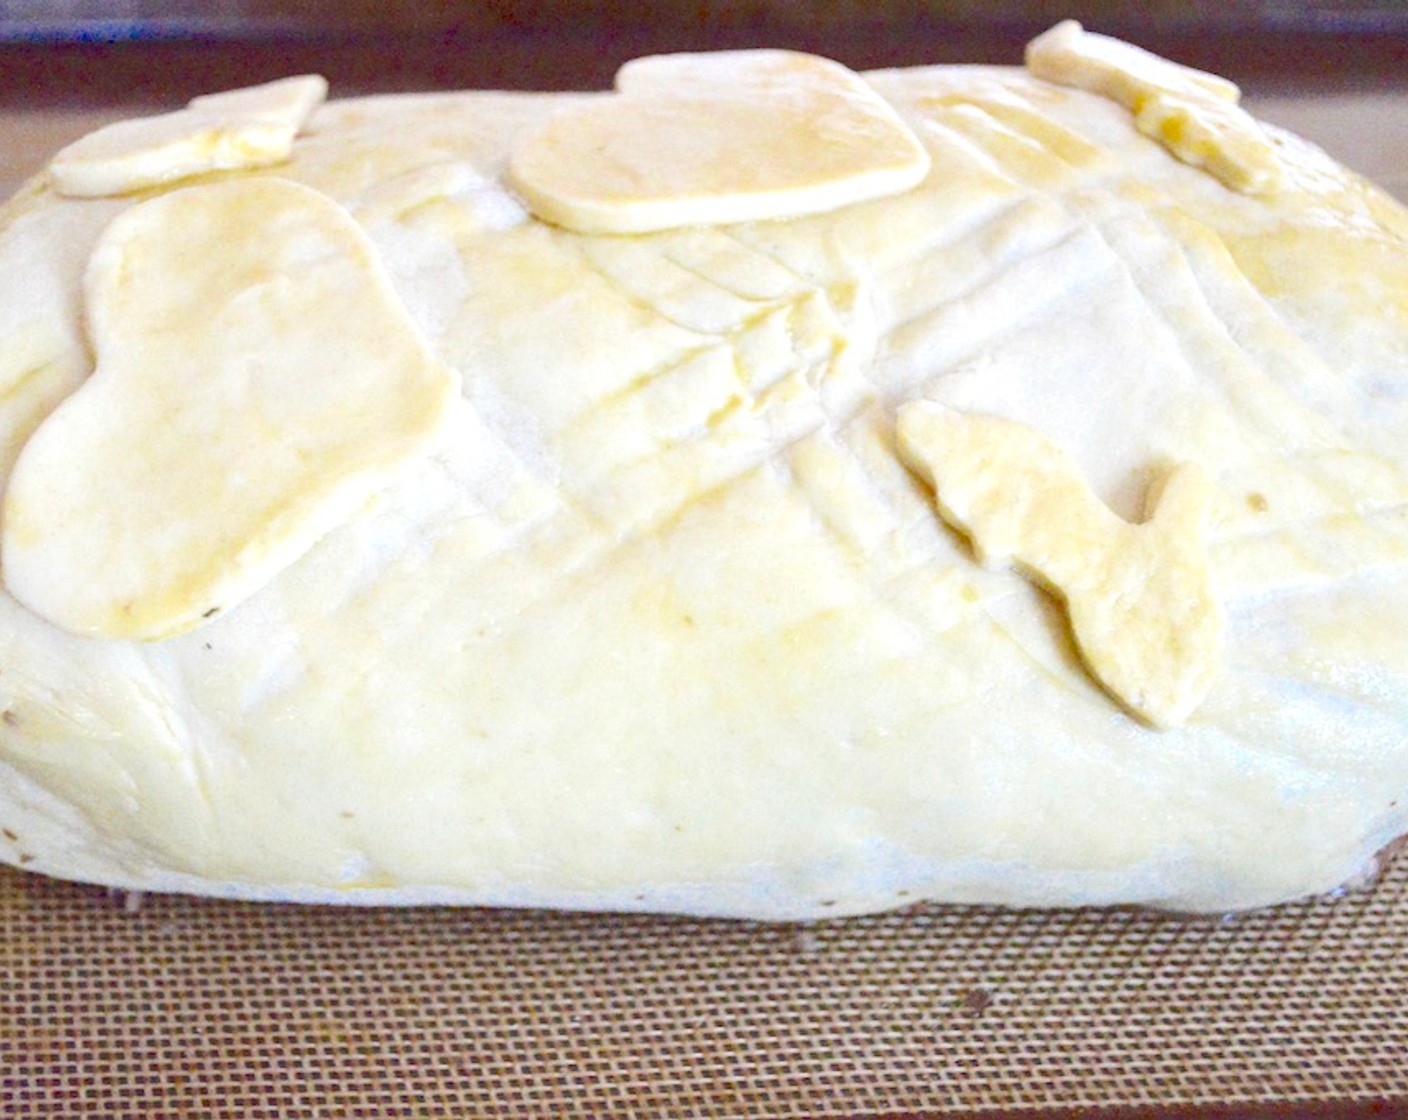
{"type": "Point", "coordinates": [83, 52]}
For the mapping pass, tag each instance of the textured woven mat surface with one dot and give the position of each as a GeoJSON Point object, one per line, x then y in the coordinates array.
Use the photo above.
{"type": "Point", "coordinates": [116, 1006]}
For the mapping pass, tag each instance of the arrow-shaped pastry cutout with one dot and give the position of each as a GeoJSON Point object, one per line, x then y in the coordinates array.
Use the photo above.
{"type": "Point", "coordinates": [258, 381]}
{"type": "Point", "coordinates": [1139, 597]}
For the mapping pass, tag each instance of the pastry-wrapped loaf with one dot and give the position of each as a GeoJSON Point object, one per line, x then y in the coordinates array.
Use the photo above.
{"type": "Point", "coordinates": [760, 490]}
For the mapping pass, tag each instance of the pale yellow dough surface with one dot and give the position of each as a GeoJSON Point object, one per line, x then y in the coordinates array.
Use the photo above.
{"type": "Point", "coordinates": [668, 624]}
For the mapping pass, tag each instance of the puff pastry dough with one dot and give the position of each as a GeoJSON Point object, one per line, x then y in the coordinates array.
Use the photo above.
{"type": "Point", "coordinates": [666, 618]}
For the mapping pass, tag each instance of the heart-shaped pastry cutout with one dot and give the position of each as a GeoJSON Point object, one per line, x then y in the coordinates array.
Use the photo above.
{"type": "Point", "coordinates": [239, 129]}
{"type": "Point", "coordinates": [706, 139]}
{"type": "Point", "coordinates": [257, 381]}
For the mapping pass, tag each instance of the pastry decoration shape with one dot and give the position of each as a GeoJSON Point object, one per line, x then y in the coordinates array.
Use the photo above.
{"type": "Point", "coordinates": [257, 382]}
{"type": "Point", "coordinates": [602, 569]}
{"type": "Point", "coordinates": [1195, 115]}
{"type": "Point", "coordinates": [236, 130]}
{"type": "Point", "coordinates": [707, 139]}
{"type": "Point", "coordinates": [1139, 597]}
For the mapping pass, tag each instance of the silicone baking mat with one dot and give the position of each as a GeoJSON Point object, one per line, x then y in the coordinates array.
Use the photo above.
{"type": "Point", "coordinates": [157, 1006]}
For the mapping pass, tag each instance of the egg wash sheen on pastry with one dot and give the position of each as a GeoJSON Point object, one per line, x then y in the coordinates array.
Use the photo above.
{"type": "Point", "coordinates": [760, 490]}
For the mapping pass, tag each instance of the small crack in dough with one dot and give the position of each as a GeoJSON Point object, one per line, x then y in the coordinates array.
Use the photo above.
{"type": "Point", "coordinates": [709, 139]}
{"type": "Point", "coordinates": [235, 130]}
{"type": "Point", "coordinates": [1139, 597]}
